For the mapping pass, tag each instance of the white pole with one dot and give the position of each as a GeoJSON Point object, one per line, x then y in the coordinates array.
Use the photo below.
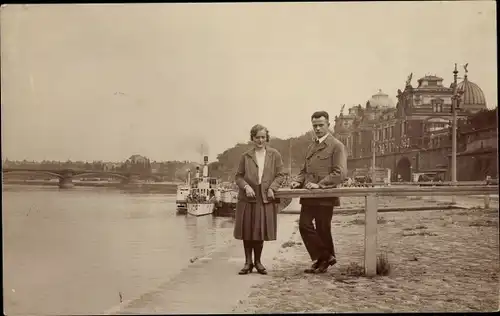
{"type": "Point", "coordinates": [371, 235]}
{"type": "Point", "coordinates": [454, 133]}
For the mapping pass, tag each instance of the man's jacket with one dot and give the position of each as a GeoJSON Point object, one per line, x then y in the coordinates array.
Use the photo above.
{"type": "Point", "coordinates": [325, 164]}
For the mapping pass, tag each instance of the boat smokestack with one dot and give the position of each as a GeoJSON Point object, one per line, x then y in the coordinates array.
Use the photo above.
{"type": "Point", "coordinates": [189, 177]}
{"type": "Point", "coordinates": [205, 166]}
{"type": "Point", "coordinates": [197, 174]}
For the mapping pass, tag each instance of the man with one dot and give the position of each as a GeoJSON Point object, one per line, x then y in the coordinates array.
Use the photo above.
{"type": "Point", "coordinates": [325, 166]}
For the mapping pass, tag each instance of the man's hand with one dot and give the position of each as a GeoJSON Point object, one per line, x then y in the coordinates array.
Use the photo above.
{"type": "Point", "coordinates": [249, 191]}
{"type": "Point", "coordinates": [270, 194]}
{"type": "Point", "coordinates": [294, 184]}
{"type": "Point", "coordinates": [311, 185]}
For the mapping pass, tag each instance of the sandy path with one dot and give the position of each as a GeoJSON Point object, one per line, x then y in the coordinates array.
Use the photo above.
{"type": "Point", "coordinates": [441, 261]}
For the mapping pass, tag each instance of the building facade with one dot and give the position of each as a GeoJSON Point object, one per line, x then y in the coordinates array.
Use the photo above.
{"type": "Point", "coordinates": [479, 157]}
{"type": "Point", "coordinates": [412, 136]}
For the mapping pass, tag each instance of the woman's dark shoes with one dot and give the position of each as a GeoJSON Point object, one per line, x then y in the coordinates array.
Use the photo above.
{"type": "Point", "coordinates": [313, 267]}
{"type": "Point", "coordinates": [247, 268]}
{"type": "Point", "coordinates": [260, 268]}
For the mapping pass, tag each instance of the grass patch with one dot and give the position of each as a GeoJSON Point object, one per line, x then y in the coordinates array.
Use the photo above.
{"type": "Point", "coordinates": [357, 221]}
{"type": "Point", "coordinates": [355, 269]}
{"type": "Point", "coordinates": [483, 223]}
{"type": "Point", "coordinates": [383, 265]}
{"type": "Point", "coordinates": [418, 233]}
{"type": "Point", "coordinates": [360, 221]}
{"type": "Point", "coordinates": [416, 227]}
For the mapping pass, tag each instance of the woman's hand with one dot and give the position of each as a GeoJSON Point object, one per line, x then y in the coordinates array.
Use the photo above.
{"type": "Point", "coordinates": [270, 194]}
{"type": "Point", "coordinates": [294, 184]}
{"type": "Point", "coordinates": [249, 191]}
{"type": "Point", "coordinates": [311, 185]}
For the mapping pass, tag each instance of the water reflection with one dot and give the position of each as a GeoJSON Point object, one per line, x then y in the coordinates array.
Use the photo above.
{"type": "Point", "coordinates": [71, 252]}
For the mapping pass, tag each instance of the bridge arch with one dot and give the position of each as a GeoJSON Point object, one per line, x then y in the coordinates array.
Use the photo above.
{"type": "Point", "coordinates": [403, 169]}
{"type": "Point", "coordinates": [26, 172]}
{"type": "Point", "coordinates": [148, 177]}
{"type": "Point", "coordinates": [100, 174]}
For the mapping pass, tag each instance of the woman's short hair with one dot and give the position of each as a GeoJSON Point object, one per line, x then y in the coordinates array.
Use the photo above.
{"type": "Point", "coordinates": [257, 128]}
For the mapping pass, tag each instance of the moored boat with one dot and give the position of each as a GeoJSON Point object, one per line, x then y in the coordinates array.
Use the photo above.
{"type": "Point", "coordinates": [228, 199]}
{"type": "Point", "coordinates": [183, 191]}
{"type": "Point", "coordinates": [204, 193]}
{"type": "Point", "coordinates": [200, 208]}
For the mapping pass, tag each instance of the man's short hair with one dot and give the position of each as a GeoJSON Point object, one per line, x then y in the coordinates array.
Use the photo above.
{"type": "Point", "coordinates": [319, 114]}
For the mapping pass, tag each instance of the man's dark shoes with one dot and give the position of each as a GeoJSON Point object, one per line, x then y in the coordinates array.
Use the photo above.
{"type": "Point", "coordinates": [332, 260]}
{"type": "Point", "coordinates": [313, 267]}
{"type": "Point", "coordinates": [323, 266]}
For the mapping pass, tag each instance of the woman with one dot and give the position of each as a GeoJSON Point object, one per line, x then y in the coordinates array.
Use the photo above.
{"type": "Point", "coordinates": [259, 175]}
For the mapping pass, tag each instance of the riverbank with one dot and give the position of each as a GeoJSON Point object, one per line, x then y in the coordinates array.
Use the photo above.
{"type": "Point", "coordinates": [210, 284]}
{"type": "Point", "coordinates": [149, 187]}
{"type": "Point", "coordinates": [441, 261]}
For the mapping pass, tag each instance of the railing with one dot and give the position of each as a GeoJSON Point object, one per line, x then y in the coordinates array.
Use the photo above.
{"type": "Point", "coordinates": [448, 183]}
{"type": "Point", "coordinates": [371, 205]}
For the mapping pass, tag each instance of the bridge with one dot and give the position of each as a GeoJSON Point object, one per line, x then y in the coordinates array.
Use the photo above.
{"type": "Point", "coordinates": [66, 176]}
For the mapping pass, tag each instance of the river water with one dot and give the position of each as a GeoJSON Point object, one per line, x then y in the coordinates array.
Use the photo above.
{"type": "Point", "coordinates": [75, 251]}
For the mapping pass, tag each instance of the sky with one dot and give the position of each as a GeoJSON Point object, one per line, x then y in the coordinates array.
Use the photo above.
{"type": "Point", "coordinates": [104, 82]}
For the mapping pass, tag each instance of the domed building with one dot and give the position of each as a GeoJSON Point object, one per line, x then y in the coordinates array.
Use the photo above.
{"type": "Point", "coordinates": [381, 100]}
{"type": "Point", "coordinates": [413, 136]}
{"type": "Point", "coordinates": [473, 99]}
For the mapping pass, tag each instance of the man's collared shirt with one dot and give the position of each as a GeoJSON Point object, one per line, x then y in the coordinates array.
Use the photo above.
{"type": "Point", "coordinates": [320, 140]}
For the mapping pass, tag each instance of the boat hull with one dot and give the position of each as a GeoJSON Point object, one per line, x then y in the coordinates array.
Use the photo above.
{"type": "Point", "coordinates": [181, 205]}
{"type": "Point", "coordinates": [226, 209]}
{"type": "Point", "coordinates": [200, 209]}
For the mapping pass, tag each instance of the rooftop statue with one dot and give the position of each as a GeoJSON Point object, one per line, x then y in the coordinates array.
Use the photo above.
{"type": "Point", "coordinates": [408, 81]}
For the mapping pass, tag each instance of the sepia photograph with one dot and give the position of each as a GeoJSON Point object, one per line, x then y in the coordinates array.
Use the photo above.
{"type": "Point", "coordinates": [249, 157]}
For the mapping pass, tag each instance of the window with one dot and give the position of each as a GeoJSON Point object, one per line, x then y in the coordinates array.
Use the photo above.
{"type": "Point", "coordinates": [437, 105]}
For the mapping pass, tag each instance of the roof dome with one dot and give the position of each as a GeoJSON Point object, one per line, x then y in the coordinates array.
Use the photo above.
{"type": "Point", "coordinates": [381, 99]}
{"type": "Point", "coordinates": [473, 95]}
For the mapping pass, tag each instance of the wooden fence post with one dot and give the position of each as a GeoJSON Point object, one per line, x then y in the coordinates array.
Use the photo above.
{"type": "Point", "coordinates": [487, 201]}
{"type": "Point", "coordinates": [371, 235]}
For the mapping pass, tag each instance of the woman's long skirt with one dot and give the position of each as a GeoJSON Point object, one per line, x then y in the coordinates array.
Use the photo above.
{"type": "Point", "coordinates": [256, 221]}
